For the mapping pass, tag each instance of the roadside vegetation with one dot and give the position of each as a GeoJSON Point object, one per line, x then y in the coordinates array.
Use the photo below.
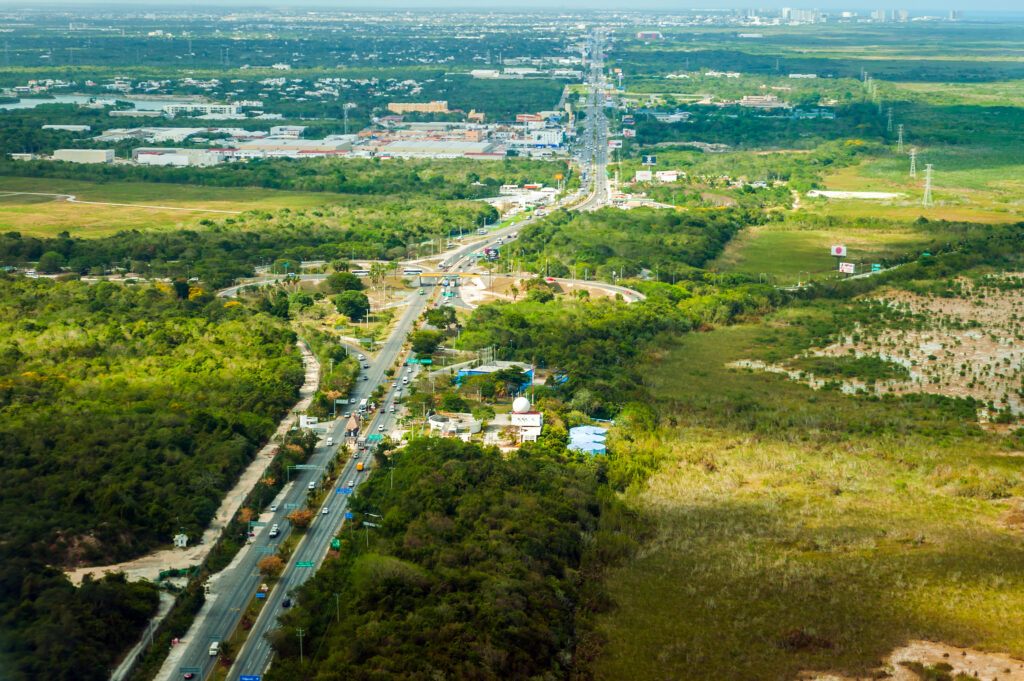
{"type": "Point", "coordinates": [473, 565]}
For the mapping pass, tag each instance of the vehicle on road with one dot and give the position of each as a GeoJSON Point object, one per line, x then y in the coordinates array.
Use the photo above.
{"type": "Point", "coordinates": [380, 428]}
{"type": "Point", "coordinates": [275, 530]}
{"type": "Point", "coordinates": [359, 466]}
{"type": "Point", "coordinates": [422, 292]}
{"type": "Point", "coordinates": [214, 648]}
{"type": "Point", "coordinates": [273, 508]}
{"type": "Point", "coordinates": [330, 441]}
{"type": "Point", "coordinates": [352, 482]}
{"type": "Point", "coordinates": [311, 486]}
{"type": "Point", "coordinates": [366, 365]}
{"type": "Point", "coordinates": [325, 510]}
{"type": "Point", "coordinates": [391, 409]}
{"type": "Point", "coordinates": [362, 357]}
{"type": "Point", "coordinates": [286, 603]}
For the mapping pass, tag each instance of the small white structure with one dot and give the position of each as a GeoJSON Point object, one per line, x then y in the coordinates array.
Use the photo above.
{"type": "Point", "coordinates": [181, 541]}
{"type": "Point", "coordinates": [529, 422]}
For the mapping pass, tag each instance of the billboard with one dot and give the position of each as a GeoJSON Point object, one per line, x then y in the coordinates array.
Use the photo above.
{"type": "Point", "coordinates": [628, 120]}
{"type": "Point", "coordinates": [839, 251]}
{"type": "Point", "coordinates": [650, 160]}
{"type": "Point", "coordinates": [614, 144]}
{"type": "Point", "coordinates": [643, 176]}
{"type": "Point", "coordinates": [847, 267]}
{"type": "Point", "coordinates": [628, 132]}
{"type": "Point", "coordinates": [491, 253]}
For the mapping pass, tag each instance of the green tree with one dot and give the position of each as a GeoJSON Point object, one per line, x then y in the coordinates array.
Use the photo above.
{"type": "Point", "coordinates": [344, 281]}
{"type": "Point", "coordinates": [352, 304]}
{"type": "Point", "coordinates": [425, 342]}
{"type": "Point", "coordinates": [51, 262]}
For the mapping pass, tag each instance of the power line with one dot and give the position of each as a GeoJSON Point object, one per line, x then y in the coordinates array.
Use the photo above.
{"type": "Point", "coordinates": [913, 162]}
{"type": "Point", "coordinates": [300, 632]}
{"type": "Point", "coordinates": [928, 186]}
{"type": "Point", "coordinates": [899, 140]}
{"type": "Point", "coordinates": [888, 125]}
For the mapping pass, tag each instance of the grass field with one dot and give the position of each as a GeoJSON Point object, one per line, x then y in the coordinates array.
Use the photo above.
{"type": "Point", "coordinates": [800, 530]}
{"type": "Point", "coordinates": [794, 250]}
{"type": "Point", "coordinates": [970, 184]}
{"type": "Point", "coordinates": [45, 216]}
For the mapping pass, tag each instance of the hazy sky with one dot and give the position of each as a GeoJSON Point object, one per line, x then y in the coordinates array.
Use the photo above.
{"type": "Point", "coordinates": [977, 8]}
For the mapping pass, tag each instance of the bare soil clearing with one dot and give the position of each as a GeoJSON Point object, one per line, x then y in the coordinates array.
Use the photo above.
{"type": "Point", "coordinates": [975, 663]}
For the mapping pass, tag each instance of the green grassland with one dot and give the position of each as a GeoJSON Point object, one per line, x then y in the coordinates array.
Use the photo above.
{"type": "Point", "coordinates": [797, 249]}
{"type": "Point", "coordinates": [45, 216]}
{"type": "Point", "coordinates": [806, 530]}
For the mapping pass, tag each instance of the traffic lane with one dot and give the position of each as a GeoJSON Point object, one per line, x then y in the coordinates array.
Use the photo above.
{"type": "Point", "coordinates": [251, 654]}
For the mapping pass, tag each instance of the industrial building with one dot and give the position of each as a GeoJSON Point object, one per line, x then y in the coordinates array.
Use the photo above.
{"type": "Point", "coordinates": [84, 155]}
{"type": "Point", "coordinates": [436, 148]}
{"type": "Point", "coordinates": [165, 156]}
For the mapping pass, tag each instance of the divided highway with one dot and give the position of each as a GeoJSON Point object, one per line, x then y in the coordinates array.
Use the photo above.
{"type": "Point", "coordinates": [234, 588]}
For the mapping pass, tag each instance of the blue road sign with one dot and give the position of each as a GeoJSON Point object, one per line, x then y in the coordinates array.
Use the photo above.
{"type": "Point", "coordinates": [345, 490]}
{"type": "Point", "coordinates": [348, 515]}
{"type": "Point", "coordinates": [249, 677]}
{"type": "Point", "coordinates": [260, 594]}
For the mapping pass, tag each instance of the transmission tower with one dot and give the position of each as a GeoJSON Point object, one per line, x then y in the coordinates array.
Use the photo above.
{"type": "Point", "coordinates": [928, 185]}
{"type": "Point", "coordinates": [888, 125]}
{"type": "Point", "coordinates": [913, 162]}
{"type": "Point", "coordinates": [345, 109]}
{"type": "Point", "coordinates": [899, 139]}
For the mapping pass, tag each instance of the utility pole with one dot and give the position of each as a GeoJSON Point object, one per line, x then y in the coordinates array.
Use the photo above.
{"type": "Point", "coordinates": [899, 141]}
{"type": "Point", "coordinates": [345, 110]}
{"type": "Point", "coordinates": [300, 632]}
{"type": "Point", "coordinates": [913, 161]}
{"type": "Point", "coordinates": [928, 185]}
{"type": "Point", "coordinates": [337, 603]}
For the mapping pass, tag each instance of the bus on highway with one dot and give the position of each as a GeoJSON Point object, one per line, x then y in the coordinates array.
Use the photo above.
{"type": "Point", "coordinates": [362, 405]}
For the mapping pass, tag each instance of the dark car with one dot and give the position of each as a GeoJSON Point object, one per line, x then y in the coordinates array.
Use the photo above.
{"type": "Point", "coordinates": [286, 603]}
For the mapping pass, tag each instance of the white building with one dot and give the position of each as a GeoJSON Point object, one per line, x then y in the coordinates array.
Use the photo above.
{"type": "Point", "coordinates": [84, 155]}
{"type": "Point", "coordinates": [529, 422]}
{"type": "Point", "coordinates": [173, 110]}
{"type": "Point", "coordinates": [68, 128]}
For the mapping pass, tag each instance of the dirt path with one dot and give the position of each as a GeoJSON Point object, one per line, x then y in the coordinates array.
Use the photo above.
{"type": "Point", "coordinates": [71, 198]}
{"type": "Point", "coordinates": [978, 664]}
{"type": "Point", "coordinates": [150, 565]}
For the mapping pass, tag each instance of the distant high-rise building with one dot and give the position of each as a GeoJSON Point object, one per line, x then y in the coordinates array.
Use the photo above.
{"type": "Point", "coordinates": [956, 15]}
{"type": "Point", "coordinates": [878, 15]}
{"type": "Point", "coordinates": [902, 16]}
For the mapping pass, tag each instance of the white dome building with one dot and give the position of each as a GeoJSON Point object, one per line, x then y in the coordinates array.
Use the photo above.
{"type": "Point", "coordinates": [529, 422]}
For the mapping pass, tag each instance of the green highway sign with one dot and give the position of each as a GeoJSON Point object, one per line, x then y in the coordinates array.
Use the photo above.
{"type": "Point", "coordinates": [365, 340]}
{"type": "Point", "coordinates": [370, 524]}
{"type": "Point", "coordinates": [375, 436]}
{"type": "Point", "coordinates": [875, 267]}
{"type": "Point", "coordinates": [304, 564]}
{"type": "Point", "coordinates": [335, 543]}
{"type": "Point", "coordinates": [290, 507]}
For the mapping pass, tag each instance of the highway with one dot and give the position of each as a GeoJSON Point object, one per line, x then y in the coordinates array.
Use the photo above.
{"type": "Point", "coordinates": [233, 588]}
{"type": "Point", "coordinates": [595, 137]}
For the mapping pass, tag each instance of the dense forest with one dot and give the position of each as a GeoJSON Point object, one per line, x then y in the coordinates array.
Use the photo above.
{"type": "Point", "coordinates": [627, 242]}
{"type": "Point", "coordinates": [128, 411]}
{"type": "Point", "coordinates": [483, 567]}
{"type": "Point", "coordinates": [231, 248]}
{"type": "Point", "coordinates": [52, 630]}
{"type": "Point", "coordinates": [598, 344]}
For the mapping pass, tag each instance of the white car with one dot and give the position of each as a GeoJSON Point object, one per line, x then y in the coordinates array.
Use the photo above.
{"type": "Point", "coordinates": [381, 427]}
{"type": "Point", "coordinates": [325, 510]}
{"type": "Point", "coordinates": [273, 508]}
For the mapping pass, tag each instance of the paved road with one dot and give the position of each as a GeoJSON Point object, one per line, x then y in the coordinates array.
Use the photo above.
{"type": "Point", "coordinates": [595, 137]}
{"type": "Point", "coordinates": [256, 655]}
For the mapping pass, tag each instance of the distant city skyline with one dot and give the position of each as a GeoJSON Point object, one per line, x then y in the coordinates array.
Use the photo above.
{"type": "Point", "coordinates": [1001, 7]}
